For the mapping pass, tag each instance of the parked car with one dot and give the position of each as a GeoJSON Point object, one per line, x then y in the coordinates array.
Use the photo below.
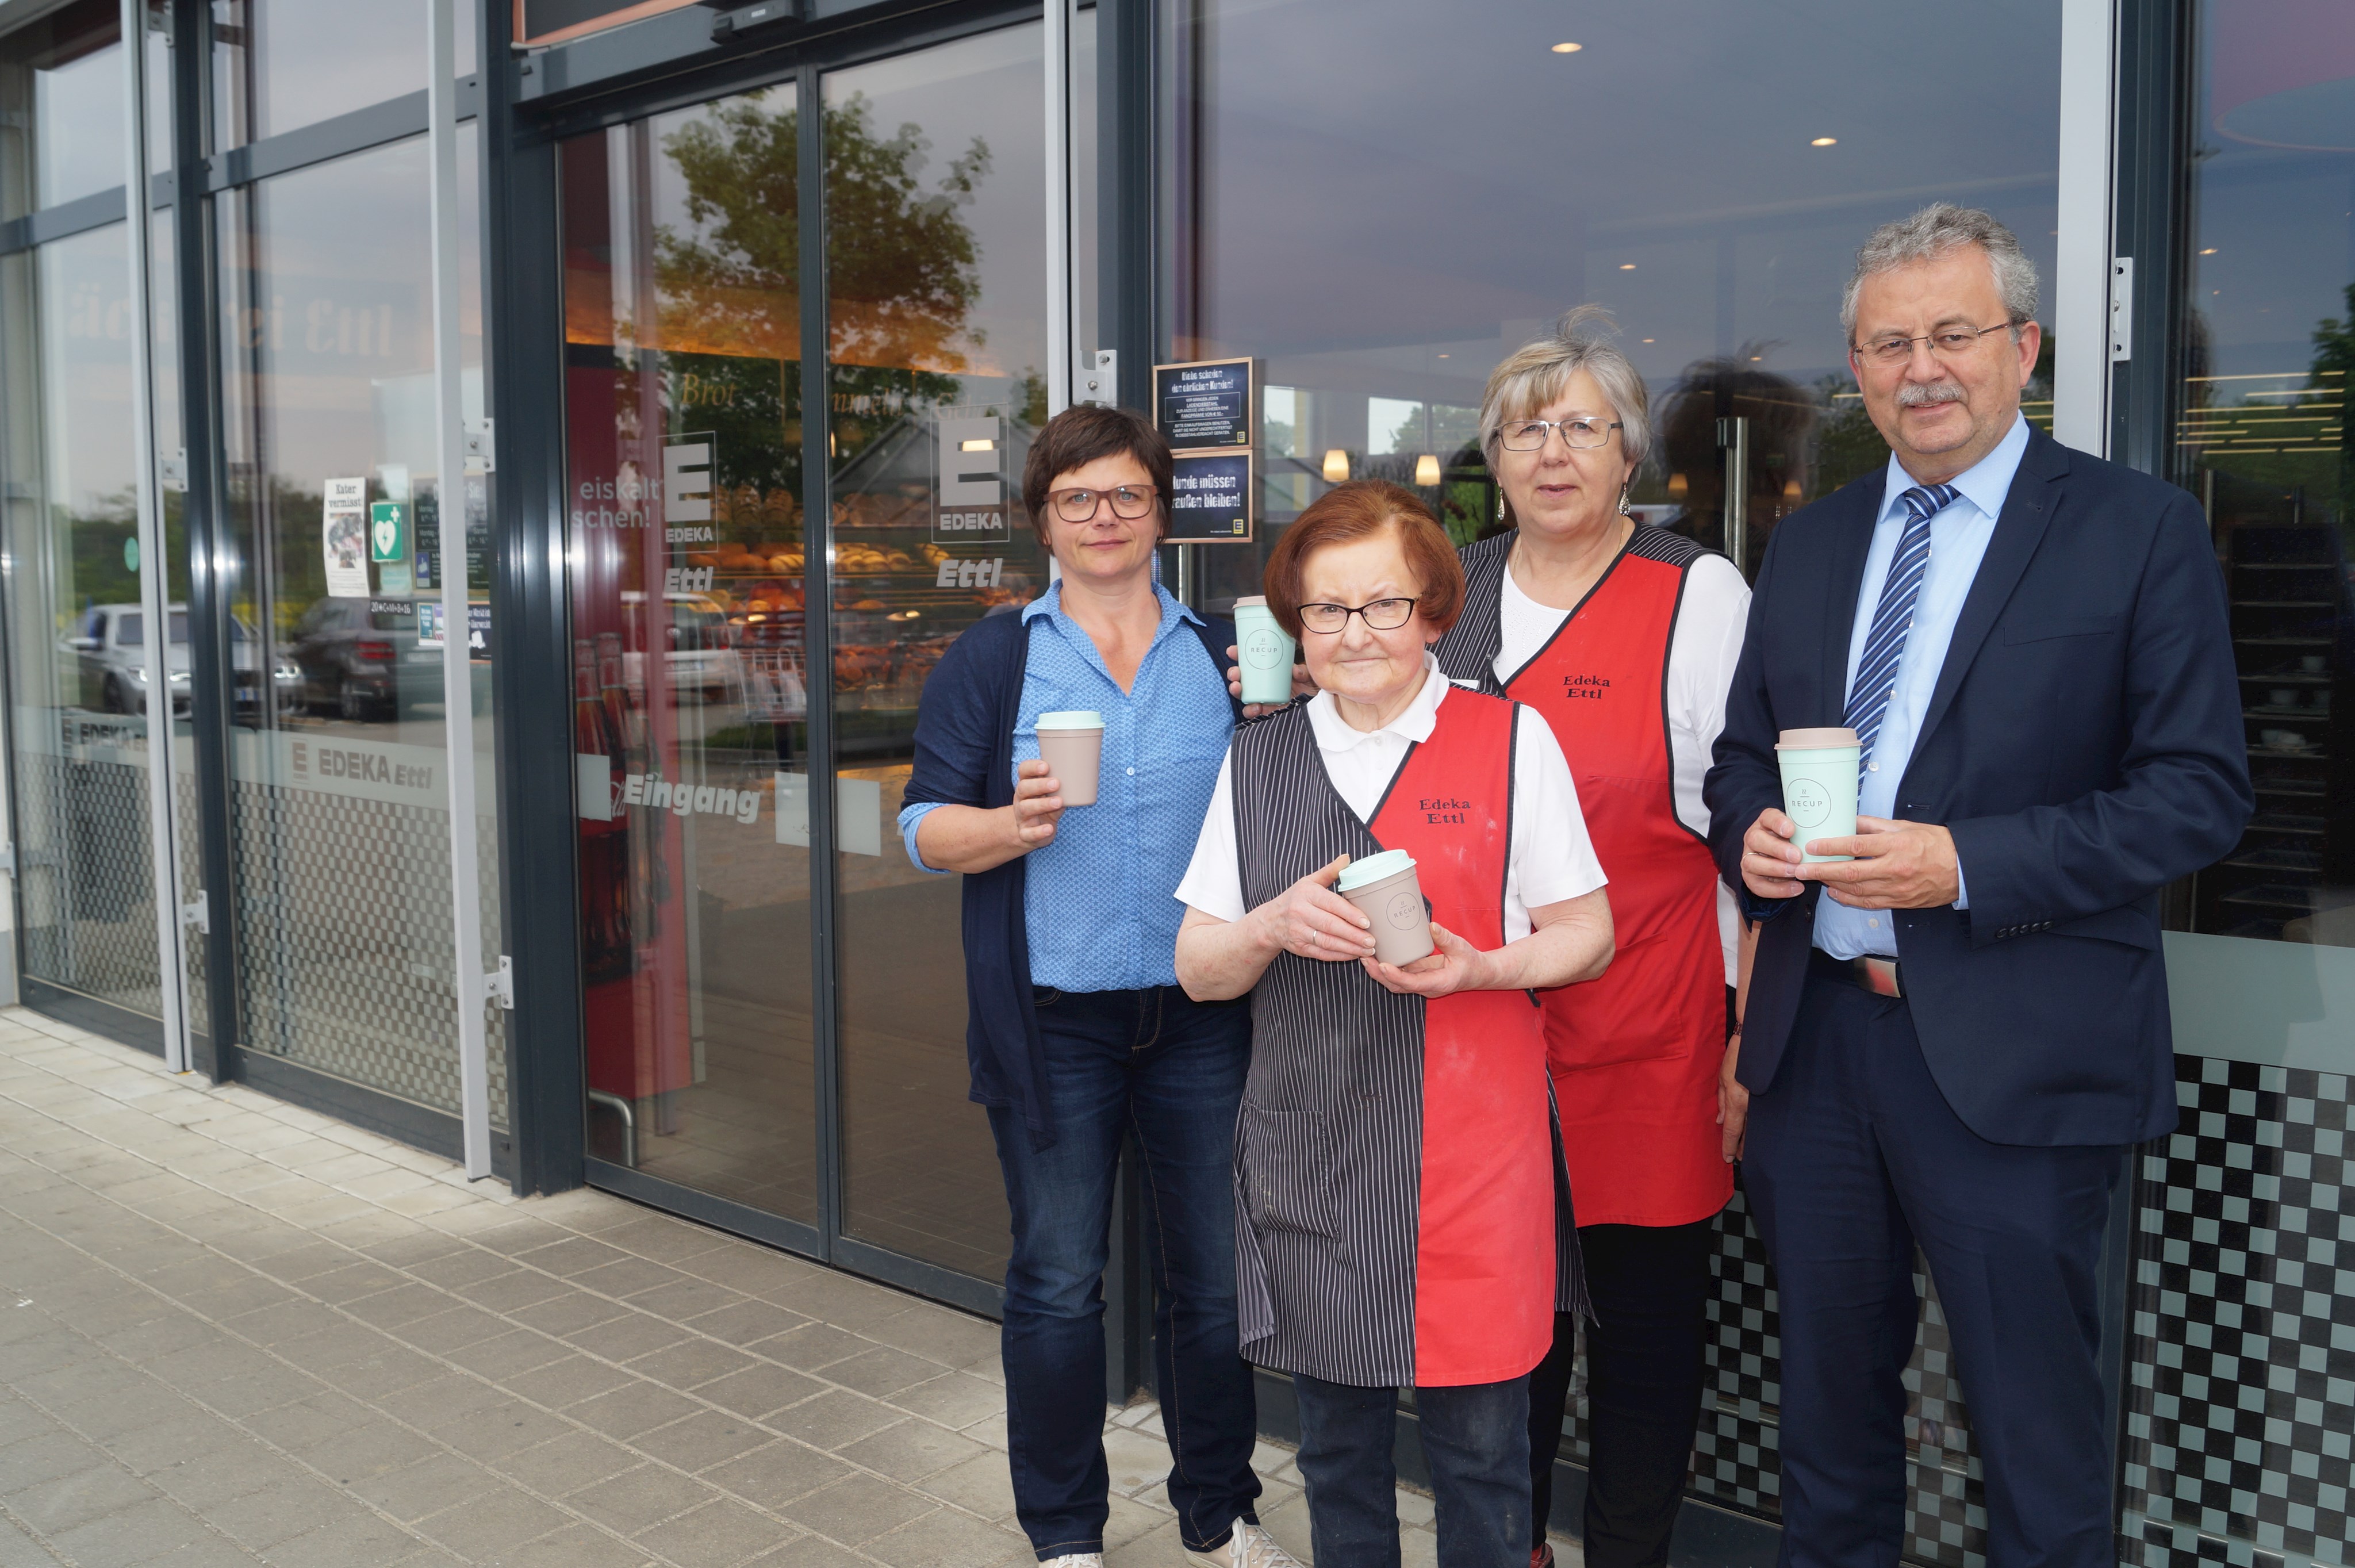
{"type": "Point", "coordinates": [698, 642]}
{"type": "Point", "coordinates": [359, 659]}
{"type": "Point", "coordinates": [110, 653]}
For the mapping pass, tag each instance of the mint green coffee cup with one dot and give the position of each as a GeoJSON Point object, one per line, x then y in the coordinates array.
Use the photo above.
{"type": "Point", "coordinates": [1264, 652]}
{"type": "Point", "coordinates": [1819, 780]}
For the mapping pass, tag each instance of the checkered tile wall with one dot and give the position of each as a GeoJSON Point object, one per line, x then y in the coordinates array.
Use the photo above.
{"type": "Point", "coordinates": [2241, 1376]}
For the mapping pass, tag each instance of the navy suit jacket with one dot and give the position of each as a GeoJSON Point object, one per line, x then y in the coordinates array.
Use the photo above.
{"type": "Point", "coordinates": [2084, 746]}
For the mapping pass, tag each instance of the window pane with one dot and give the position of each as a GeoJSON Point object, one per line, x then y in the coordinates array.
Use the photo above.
{"type": "Point", "coordinates": [2237, 1215]}
{"type": "Point", "coordinates": [61, 106]}
{"type": "Point", "coordinates": [280, 65]}
{"type": "Point", "coordinates": [691, 686]}
{"type": "Point", "coordinates": [77, 661]}
{"type": "Point", "coordinates": [338, 792]}
{"type": "Point", "coordinates": [936, 204]}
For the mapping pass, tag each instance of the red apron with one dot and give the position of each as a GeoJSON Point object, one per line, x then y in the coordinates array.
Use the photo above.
{"type": "Point", "coordinates": [1485, 1268]}
{"type": "Point", "coordinates": [1635, 1055]}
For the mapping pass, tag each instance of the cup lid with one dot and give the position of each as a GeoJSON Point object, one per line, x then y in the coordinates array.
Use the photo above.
{"type": "Point", "coordinates": [1814, 740]}
{"type": "Point", "coordinates": [1252, 601]}
{"type": "Point", "coordinates": [1070, 719]}
{"type": "Point", "coordinates": [1373, 868]}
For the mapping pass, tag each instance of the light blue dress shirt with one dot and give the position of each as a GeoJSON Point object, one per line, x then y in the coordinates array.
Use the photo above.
{"type": "Point", "coordinates": [1100, 899]}
{"type": "Point", "coordinates": [1959, 534]}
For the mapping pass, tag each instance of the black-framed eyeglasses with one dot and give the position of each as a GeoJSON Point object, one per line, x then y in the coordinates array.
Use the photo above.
{"type": "Point", "coordinates": [1130, 501]}
{"type": "Point", "coordinates": [1947, 343]}
{"type": "Point", "coordinates": [1579, 433]}
{"type": "Point", "coordinates": [1382, 616]}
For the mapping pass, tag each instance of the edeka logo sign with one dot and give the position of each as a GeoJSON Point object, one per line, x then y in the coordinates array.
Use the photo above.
{"type": "Point", "coordinates": [657, 794]}
{"type": "Point", "coordinates": [358, 770]}
{"type": "Point", "coordinates": [969, 476]}
{"type": "Point", "coordinates": [314, 764]}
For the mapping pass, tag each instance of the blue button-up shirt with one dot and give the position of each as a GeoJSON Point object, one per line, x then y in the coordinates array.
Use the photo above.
{"type": "Point", "coordinates": [1100, 899]}
{"type": "Point", "coordinates": [1959, 534]}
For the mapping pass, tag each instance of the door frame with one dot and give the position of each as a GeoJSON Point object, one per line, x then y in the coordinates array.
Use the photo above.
{"type": "Point", "coordinates": [531, 600]}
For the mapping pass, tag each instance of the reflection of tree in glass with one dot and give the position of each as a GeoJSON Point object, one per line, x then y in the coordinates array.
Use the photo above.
{"type": "Point", "coordinates": [903, 267]}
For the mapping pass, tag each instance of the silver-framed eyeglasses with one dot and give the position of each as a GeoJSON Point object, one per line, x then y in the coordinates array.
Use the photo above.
{"type": "Point", "coordinates": [1382, 616]}
{"type": "Point", "coordinates": [1581, 433]}
{"type": "Point", "coordinates": [1130, 501]}
{"type": "Point", "coordinates": [1946, 343]}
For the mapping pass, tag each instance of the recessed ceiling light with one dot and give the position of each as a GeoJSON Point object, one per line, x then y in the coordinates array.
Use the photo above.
{"type": "Point", "coordinates": [1442, 356]}
{"type": "Point", "coordinates": [1825, 142]}
{"type": "Point", "coordinates": [2209, 252]}
{"type": "Point", "coordinates": [1568, 48]}
{"type": "Point", "coordinates": [1626, 266]}
{"type": "Point", "coordinates": [1647, 340]}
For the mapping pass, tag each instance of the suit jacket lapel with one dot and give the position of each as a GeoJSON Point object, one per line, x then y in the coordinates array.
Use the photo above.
{"type": "Point", "coordinates": [1853, 543]}
{"type": "Point", "coordinates": [2028, 509]}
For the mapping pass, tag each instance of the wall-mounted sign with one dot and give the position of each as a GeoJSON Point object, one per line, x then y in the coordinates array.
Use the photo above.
{"type": "Point", "coordinates": [1211, 498]}
{"type": "Point", "coordinates": [969, 476]}
{"type": "Point", "coordinates": [1206, 402]}
{"type": "Point", "coordinates": [688, 462]}
{"type": "Point", "coordinates": [343, 537]}
{"type": "Point", "coordinates": [431, 623]}
{"type": "Point", "coordinates": [389, 532]}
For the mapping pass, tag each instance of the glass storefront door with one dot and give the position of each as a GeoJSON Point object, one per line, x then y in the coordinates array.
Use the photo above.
{"type": "Point", "coordinates": [695, 577]}
{"type": "Point", "coordinates": [691, 687]}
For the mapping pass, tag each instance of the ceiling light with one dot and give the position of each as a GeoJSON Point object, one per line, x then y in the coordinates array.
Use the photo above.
{"type": "Point", "coordinates": [1825, 142]}
{"type": "Point", "coordinates": [1647, 340]}
{"type": "Point", "coordinates": [1626, 266]}
{"type": "Point", "coordinates": [1442, 356]}
{"type": "Point", "coordinates": [1426, 469]}
{"type": "Point", "coordinates": [2209, 252]}
{"type": "Point", "coordinates": [1337, 464]}
{"type": "Point", "coordinates": [1568, 48]}
{"type": "Point", "coordinates": [984, 444]}
{"type": "Point", "coordinates": [1754, 358]}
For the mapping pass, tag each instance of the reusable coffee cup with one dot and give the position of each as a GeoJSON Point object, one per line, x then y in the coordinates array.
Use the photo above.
{"type": "Point", "coordinates": [1072, 743]}
{"type": "Point", "coordinates": [1386, 890]}
{"type": "Point", "coordinates": [1819, 779]}
{"type": "Point", "coordinates": [1266, 653]}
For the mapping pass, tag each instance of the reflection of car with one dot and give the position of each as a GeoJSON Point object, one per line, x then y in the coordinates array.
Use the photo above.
{"type": "Point", "coordinates": [110, 649]}
{"type": "Point", "coordinates": [701, 645]}
{"type": "Point", "coordinates": [361, 658]}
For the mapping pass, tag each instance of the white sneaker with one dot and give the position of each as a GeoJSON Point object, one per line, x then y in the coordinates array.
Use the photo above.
{"type": "Point", "coordinates": [1251, 1546]}
{"type": "Point", "coordinates": [1075, 1560]}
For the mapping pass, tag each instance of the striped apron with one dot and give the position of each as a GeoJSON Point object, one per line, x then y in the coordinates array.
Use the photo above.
{"type": "Point", "coordinates": [1401, 1213]}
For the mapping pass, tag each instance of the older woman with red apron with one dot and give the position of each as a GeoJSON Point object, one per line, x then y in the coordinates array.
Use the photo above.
{"type": "Point", "coordinates": [1624, 637]}
{"type": "Point", "coordinates": [1401, 1200]}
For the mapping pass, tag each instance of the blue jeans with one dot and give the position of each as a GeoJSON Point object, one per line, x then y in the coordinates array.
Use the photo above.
{"type": "Point", "coordinates": [1170, 1071]}
{"type": "Point", "coordinates": [1475, 1439]}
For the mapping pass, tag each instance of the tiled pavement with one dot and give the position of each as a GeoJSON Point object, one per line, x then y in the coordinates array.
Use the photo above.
{"type": "Point", "coordinates": [236, 1332]}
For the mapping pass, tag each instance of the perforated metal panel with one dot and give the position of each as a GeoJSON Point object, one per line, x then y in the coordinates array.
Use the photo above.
{"type": "Point", "coordinates": [86, 878]}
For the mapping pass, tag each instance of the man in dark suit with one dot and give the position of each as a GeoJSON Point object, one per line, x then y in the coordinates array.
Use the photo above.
{"type": "Point", "coordinates": [1950, 1038]}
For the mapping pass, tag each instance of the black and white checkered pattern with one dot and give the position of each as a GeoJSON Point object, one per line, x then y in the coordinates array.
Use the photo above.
{"type": "Point", "coordinates": [2241, 1372]}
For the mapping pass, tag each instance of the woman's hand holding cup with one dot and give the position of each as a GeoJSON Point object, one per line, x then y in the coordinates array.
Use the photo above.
{"type": "Point", "coordinates": [1452, 964]}
{"type": "Point", "coordinates": [1310, 919]}
{"type": "Point", "coordinates": [1301, 685]}
{"type": "Point", "coordinates": [1038, 805]}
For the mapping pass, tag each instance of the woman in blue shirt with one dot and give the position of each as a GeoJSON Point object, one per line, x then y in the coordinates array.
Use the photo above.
{"type": "Point", "coordinates": [1078, 1032]}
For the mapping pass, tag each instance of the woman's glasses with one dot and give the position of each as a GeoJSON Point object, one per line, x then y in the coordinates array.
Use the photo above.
{"type": "Point", "coordinates": [1382, 616]}
{"type": "Point", "coordinates": [1130, 501]}
{"type": "Point", "coordinates": [1530, 435]}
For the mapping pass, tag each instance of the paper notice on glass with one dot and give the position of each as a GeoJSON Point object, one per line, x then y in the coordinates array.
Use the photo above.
{"type": "Point", "coordinates": [344, 537]}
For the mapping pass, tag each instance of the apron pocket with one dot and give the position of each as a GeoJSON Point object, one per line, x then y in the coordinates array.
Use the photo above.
{"type": "Point", "coordinates": [1286, 1161]}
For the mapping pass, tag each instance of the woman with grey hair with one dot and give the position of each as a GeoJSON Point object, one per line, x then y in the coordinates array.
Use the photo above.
{"type": "Point", "coordinates": [1624, 637]}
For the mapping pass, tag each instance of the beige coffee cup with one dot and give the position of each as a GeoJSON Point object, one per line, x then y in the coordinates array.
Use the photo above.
{"type": "Point", "coordinates": [1386, 890]}
{"type": "Point", "coordinates": [1072, 745]}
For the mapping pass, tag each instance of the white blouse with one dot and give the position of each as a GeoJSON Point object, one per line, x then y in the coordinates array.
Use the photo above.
{"type": "Point", "coordinates": [1548, 860]}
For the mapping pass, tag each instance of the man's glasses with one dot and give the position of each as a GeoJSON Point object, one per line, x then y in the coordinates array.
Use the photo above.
{"type": "Point", "coordinates": [1946, 343]}
{"type": "Point", "coordinates": [1382, 616]}
{"type": "Point", "coordinates": [1130, 501]}
{"type": "Point", "coordinates": [1528, 435]}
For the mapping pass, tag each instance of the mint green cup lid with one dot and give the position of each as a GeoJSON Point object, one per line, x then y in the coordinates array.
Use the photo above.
{"type": "Point", "coordinates": [1070, 719]}
{"type": "Point", "coordinates": [1373, 868]}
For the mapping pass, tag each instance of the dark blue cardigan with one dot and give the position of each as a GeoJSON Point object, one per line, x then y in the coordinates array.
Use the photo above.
{"type": "Point", "coordinates": [965, 756]}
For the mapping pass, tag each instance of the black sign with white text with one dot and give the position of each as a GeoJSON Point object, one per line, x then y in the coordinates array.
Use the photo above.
{"type": "Point", "coordinates": [1210, 498]}
{"type": "Point", "coordinates": [1204, 404]}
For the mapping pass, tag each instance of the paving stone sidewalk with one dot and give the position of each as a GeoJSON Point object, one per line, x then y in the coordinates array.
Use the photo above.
{"type": "Point", "coordinates": [236, 1332]}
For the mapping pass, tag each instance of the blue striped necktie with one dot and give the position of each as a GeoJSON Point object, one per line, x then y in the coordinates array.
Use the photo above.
{"type": "Point", "coordinates": [1876, 671]}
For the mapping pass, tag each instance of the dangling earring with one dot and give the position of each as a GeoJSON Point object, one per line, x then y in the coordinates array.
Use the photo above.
{"type": "Point", "coordinates": [1500, 503]}
{"type": "Point", "coordinates": [1625, 510]}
